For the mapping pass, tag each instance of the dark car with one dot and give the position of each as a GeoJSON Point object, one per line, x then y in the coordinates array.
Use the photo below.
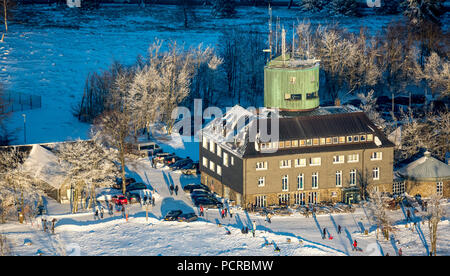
{"type": "Point", "coordinates": [190, 187]}
{"type": "Point", "coordinates": [172, 215]}
{"type": "Point", "coordinates": [208, 202]}
{"type": "Point", "coordinates": [136, 186]}
{"type": "Point", "coordinates": [132, 197]}
{"type": "Point", "coordinates": [187, 217]}
{"type": "Point", "coordinates": [159, 158]}
{"type": "Point", "coordinates": [200, 192]}
{"type": "Point", "coordinates": [171, 159]}
{"type": "Point", "coordinates": [189, 169]}
{"type": "Point", "coordinates": [128, 181]}
{"type": "Point", "coordinates": [181, 163]}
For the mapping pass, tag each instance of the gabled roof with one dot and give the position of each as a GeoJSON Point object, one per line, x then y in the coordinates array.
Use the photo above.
{"type": "Point", "coordinates": [425, 168]}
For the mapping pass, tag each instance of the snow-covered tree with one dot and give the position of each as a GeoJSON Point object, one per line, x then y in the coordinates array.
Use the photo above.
{"type": "Point", "coordinates": [378, 209]}
{"type": "Point", "coordinates": [17, 188]}
{"type": "Point", "coordinates": [88, 165]}
{"type": "Point", "coordinates": [419, 11]}
{"type": "Point", "coordinates": [437, 73]}
{"type": "Point", "coordinates": [435, 212]}
{"type": "Point", "coordinates": [369, 105]}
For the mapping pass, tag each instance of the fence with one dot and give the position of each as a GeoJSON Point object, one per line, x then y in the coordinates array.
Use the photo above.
{"type": "Point", "coordinates": [13, 102]}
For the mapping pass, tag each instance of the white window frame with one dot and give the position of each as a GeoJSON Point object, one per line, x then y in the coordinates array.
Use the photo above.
{"type": "Point", "coordinates": [440, 188]}
{"type": "Point", "coordinates": [284, 164]}
{"type": "Point", "coordinates": [261, 166]}
{"type": "Point", "coordinates": [351, 158]}
{"type": "Point", "coordinates": [225, 159]}
{"type": "Point", "coordinates": [338, 159]}
{"type": "Point", "coordinates": [205, 162]}
{"type": "Point", "coordinates": [212, 147]}
{"type": "Point", "coordinates": [261, 201]}
{"type": "Point", "coordinates": [352, 180]}
{"type": "Point", "coordinates": [301, 182]}
{"type": "Point", "coordinates": [232, 160]}
{"type": "Point", "coordinates": [205, 142]}
{"type": "Point", "coordinates": [261, 181]}
{"type": "Point", "coordinates": [315, 180]}
{"type": "Point", "coordinates": [219, 169]}
{"type": "Point", "coordinates": [212, 166]}
{"type": "Point", "coordinates": [376, 155]}
{"type": "Point", "coordinates": [311, 163]}
{"type": "Point", "coordinates": [398, 187]}
{"type": "Point", "coordinates": [376, 173]}
{"type": "Point", "coordinates": [219, 151]}
{"type": "Point", "coordinates": [285, 183]}
{"type": "Point", "coordinates": [338, 178]}
{"type": "Point", "coordinates": [300, 162]}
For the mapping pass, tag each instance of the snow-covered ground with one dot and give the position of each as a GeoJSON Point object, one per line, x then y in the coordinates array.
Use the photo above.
{"type": "Point", "coordinates": [49, 52]}
{"type": "Point", "coordinates": [294, 235]}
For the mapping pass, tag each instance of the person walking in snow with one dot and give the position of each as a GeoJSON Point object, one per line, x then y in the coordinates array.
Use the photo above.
{"type": "Point", "coordinates": [171, 189]}
{"type": "Point", "coordinates": [101, 212]}
{"type": "Point", "coordinates": [201, 211]}
{"type": "Point", "coordinates": [223, 213]}
{"type": "Point", "coordinates": [176, 190]}
{"type": "Point", "coordinates": [254, 228]}
{"type": "Point", "coordinates": [324, 233]}
{"type": "Point", "coordinates": [339, 229]}
{"type": "Point", "coordinates": [231, 212]}
{"type": "Point", "coordinates": [268, 218]}
{"type": "Point", "coordinates": [355, 246]}
{"type": "Point", "coordinates": [96, 214]}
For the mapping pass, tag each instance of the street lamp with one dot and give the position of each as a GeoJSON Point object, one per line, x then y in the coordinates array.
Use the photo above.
{"type": "Point", "coordinates": [24, 128]}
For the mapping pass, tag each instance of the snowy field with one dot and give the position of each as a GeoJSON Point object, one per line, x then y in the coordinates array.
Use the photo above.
{"type": "Point", "coordinates": [294, 235]}
{"type": "Point", "coordinates": [49, 52]}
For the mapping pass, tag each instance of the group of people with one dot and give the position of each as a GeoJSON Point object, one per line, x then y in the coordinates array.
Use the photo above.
{"type": "Point", "coordinates": [224, 213]}
{"type": "Point", "coordinates": [173, 189]}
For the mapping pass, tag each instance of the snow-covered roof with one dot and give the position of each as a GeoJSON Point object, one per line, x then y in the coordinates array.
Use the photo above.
{"type": "Point", "coordinates": [426, 167]}
{"type": "Point", "coordinates": [43, 165]}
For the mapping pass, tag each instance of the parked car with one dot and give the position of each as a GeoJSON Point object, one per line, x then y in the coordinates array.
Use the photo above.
{"type": "Point", "coordinates": [181, 163]}
{"type": "Point", "coordinates": [172, 215]}
{"type": "Point", "coordinates": [120, 200]}
{"type": "Point", "coordinates": [190, 169]}
{"type": "Point", "coordinates": [159, 158]}
{"type": "Point", "coordinates": [190, 187]}
{"type": "Point", "coordinates": [208, 202]}
{"type": "Point", "coordinates": [148, 148]}
{"type": "Point", "coordinates": [136, 186]}
{"type": "Point", "coordinates": [200, 192]}
{"type": "Point", "coordinates": [171, 159]}
{"type": "Point", "coordinates": [133, 197]}
{"type": "Point", "coordinates": [128, 181]}
{"type": "Point", "coordinates": [187, 217]}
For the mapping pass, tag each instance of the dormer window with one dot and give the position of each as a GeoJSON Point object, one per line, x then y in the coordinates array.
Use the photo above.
{"type": "Point", "coordinates": [369, 137]}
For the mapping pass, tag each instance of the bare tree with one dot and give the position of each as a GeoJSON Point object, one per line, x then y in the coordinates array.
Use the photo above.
{"type": "Point", "coordinates": [378, 208]}
{"type": "Point", "coordinates": [435, 212]}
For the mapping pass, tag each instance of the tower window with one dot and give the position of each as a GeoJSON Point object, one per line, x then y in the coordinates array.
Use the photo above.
{"type": "Point", "coordinates": [296, 97]}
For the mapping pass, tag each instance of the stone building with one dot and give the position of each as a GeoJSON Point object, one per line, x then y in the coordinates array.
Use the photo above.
{"type": "Point", "coordinates": [424, 176]}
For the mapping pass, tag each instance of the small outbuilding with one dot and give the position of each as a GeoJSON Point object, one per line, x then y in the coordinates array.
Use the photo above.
{"type": "Point", "coordinates": [425, 176]}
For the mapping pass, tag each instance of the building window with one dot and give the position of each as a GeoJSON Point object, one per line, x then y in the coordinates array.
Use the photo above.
{"type": "Point", "coordinates": [300, 162]}
{"type": "Point", "coordinates": [440, 188]}
{"type": "Point", "coordinates": [212, 146]}
{"type": "Point", "coordinates": [309, 142]}
{"type": "Point", "coordinates": [205, 162]}
{"type": "Point", "coordinates": [376, 156]}
{"type": "Point", "coordinates": [219, 151]}
{"type": "Point", "coordinates": [349, 139]}
{"type": "Point", "coordinates": [300, 182]}
{"type": "Point", "coordinates": [369, 137]}
{"type": "Point", "coordinates": [329, 140]}
{"type": "Point", "coordinates": [205, 142]}
{"type": "Point", "coordinates": [338, 159]}
{"type": "Point", "coordinates": [261, 181]}
{"type": "Point", "coordinates": [356, 138]}
{"type": "Point", "coordinates": [335, 140]}
{"type": "Point", "coordinates": [285, 164]}
{"type": "Point", "coordinates": [285, 183]}
{"type": "Point", "coordinates": [353, 158]}
{"type": "Point", "coordinates": [219, 170]}
{"type": "Point", "coordinates": [292, 80]}
{"type": "Point", "coordinates": [261, 166]}
{"type": "Point", "coordinates": [353, 177]}
{"type": "Point", "coordinates": [398, 188]}
{"type": "Point", "coordinates": [339, 179]}
{"type": "Point", "coordinates": [312, 198]}
{"type": "Point", "coordinates": [376, 173]}
{"type": "Point", "coordinates": [232, 161]}
{"type": "Point", "coordinates": [315, 161]}
{"type": "Point", "coordinates": [294, 143]}
{"type": "Point", "coordinates": [341, 139]}
{"type": "Point", "coordinates": [211, 165]}
{"type": "Point", "coordinates": [322, 141]}
{"type": "Point", "coordinates": [225, 159]}
{"type": "Point", "coordinates": [299, 198]}
{"type": "Point", "coordinates": [261, 201]}
{"type": "Point", "coordinates": [281, 145]}
{"type": "Point", "coordinates": [316, 141]}
{"type": "Point", "coordinates": [362, 138]}
{"type": "Point", "coordinates": [315, 180]}
{"type": "Point", "coordinates": [283, 199]}
{"type": "Point", "coordinates": [302, 143]}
